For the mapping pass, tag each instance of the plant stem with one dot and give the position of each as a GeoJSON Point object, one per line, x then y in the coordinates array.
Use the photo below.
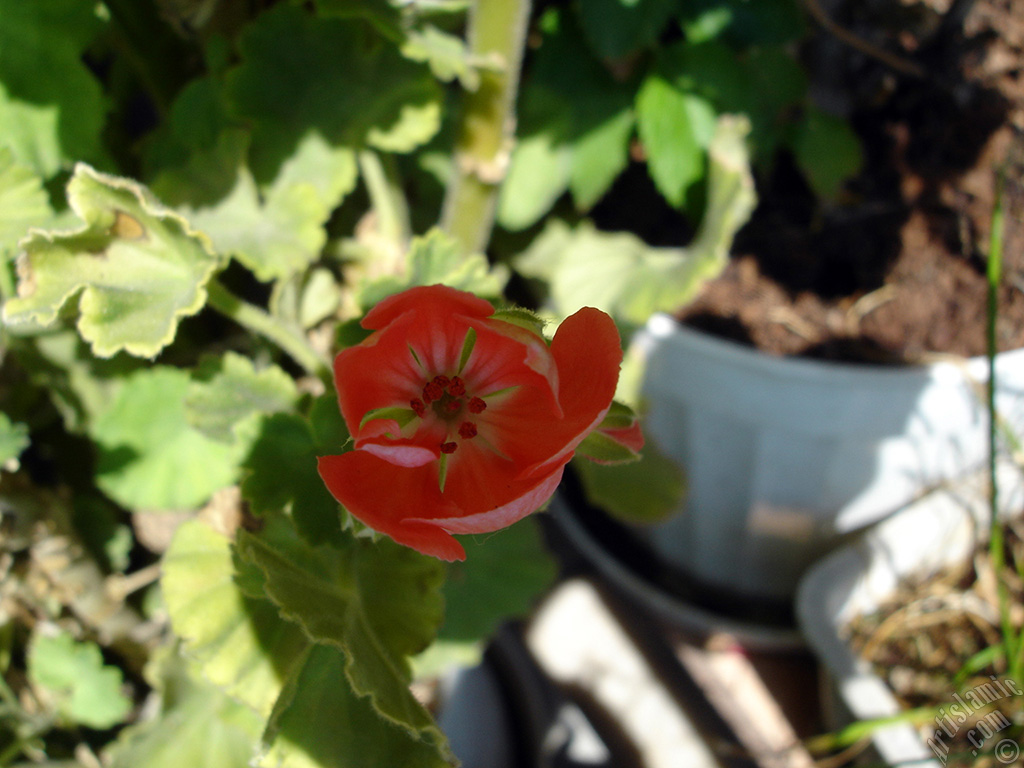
{"type": "Point", "coordinates": [497, 29]}
{"type": "Point", "coordinates": [257, 320]}
{"type": "Point", "coordinates": [380, 174]}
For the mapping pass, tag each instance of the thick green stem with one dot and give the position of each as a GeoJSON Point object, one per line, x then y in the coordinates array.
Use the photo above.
{"type": "Point", "coordinates": [255, 319]}
{"type": "Point", "coordinates": [380, 174]}
{"type": "Point", "coordinates": [497, 29]}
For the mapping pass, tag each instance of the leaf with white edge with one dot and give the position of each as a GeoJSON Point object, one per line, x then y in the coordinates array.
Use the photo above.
{"type": "Point", "coordinates": [149, 455]}
{"type": "Point", "coordinates": [321, 722]}
{"type": "Point", "coordinates": [436, 258]}
{"type": "Point", "coordinates": [239, 640]}
{"type": "Point", "coordinates": [23, 201]}
{"type": "Point", "coordinates": [321, 297]}
{"type": "Point", "coordinates": [619, 273]}
{"type": "Point", "coordinates": [138, 267]}
{"type": "Point", "coordinates": [198, 725]}
{"type": "Point", "coordinates": [71, 676]}
{"type": "Point", "coordinates": [281, 469]}
{"type": "Point", "coordinates": [47, 82]}
{"type": "Point", "coordinates": [379, 601]}
{"type": "Point", "coordinates": [13, 440]}
{"type": "Point", "coordinates": [228, 391]}
{"type": "Point", "coordinates": [333, 76]}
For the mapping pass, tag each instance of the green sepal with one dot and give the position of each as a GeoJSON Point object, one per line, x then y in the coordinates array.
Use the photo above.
{"type": "Point", "coordinates": [467, 348]}
{"type": "Point", "coordinates": [620, 416]}
{"type": "Point", "coordinates": [401, 415]}
{"type": "Point", "coordinates": [598, 446]}
{"type": "Point", "coordinates": [524, 318]}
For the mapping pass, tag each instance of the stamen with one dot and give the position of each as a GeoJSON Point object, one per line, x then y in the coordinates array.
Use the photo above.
{"type": "Point", "coordinates": [451, 407]}
{"type": "Point", "coordinates": [432, 391]}
{"type": "Point", "coordinates": [457, 388]}
{"type": "Point", "coordinates": [442, 381]}
{"type": "Point", "coordinates": [467, 430]}
{"type": "Point", "coordinates": [418, 407]}
{"type": "Point", "coordinates": [449, 447]}
{"type": "Point", "coordinates": [476, 405]}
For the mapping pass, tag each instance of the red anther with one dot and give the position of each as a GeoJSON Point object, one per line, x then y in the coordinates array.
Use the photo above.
{"type": "Point", "coordinates": [476, 405]}
{"type": "Point", "coordinates": [457, 388]}
{"type": "Point", "coordinates": [432, 391]}
{"type": "Point", "coordinates": [442, 381]}
{"type": "Point", "coordinates": [418, 407]}
{"type": "Point", "coordinates": [467, 429]}
{"type": "Point", "coordinates": [449, 447]}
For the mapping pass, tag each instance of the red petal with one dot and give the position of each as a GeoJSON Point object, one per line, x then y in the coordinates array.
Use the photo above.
{"type": "Point", "coordinates": [632, 437]}
{"type": "Point", "coordinates": [386, 497]}
{"type": "Point", "coordinates": [437, 299]}
{"type": "Point", "coordinates": [587, 353]}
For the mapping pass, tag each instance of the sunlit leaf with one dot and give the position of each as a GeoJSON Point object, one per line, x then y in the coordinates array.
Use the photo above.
{"type": "Point", "coordinates": [71, 675]}
{"type": "Point", "coordinates": [240, 641]}
{"type": "Point", "coordinates": [827, 150]}
{"type": "Point", "coordinates": [227, 391]}
{"type": "Point", "coordinates": [197, 724]}
{"type": "Point", "coordinates": [436, 258]}
{"type": "Point", "coordinates": [619, 273]}
{"type": "Point", "coordinates": [138, 268]}
{"type": "Point", "coordinates": [378, 601]}
{"type": "Point", "coordinates": [23, 201]}
{"type": "Point", "coordinates": [149, 455]}
{"type": "Point", "coordinates": [539, 174]}
{"type": "Point", "coordinates": [446, 54]}
{"type": "Point", "coordinates": [675, 128]}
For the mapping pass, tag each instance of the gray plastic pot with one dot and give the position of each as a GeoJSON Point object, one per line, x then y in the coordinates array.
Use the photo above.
{"type": "Point", "coordinates": [785, 456]}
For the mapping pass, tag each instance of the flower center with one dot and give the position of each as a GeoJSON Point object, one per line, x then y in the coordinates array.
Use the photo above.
{"type": "Point", "coordinates": [448, 398]}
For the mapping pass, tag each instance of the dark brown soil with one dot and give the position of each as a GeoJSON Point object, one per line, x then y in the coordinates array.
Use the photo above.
{"type": "Point", "coordinates": [895, 269]}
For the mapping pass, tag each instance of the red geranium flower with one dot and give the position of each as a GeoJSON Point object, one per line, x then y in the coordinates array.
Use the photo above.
{"type": "Point", "coordinates": [463, 422]}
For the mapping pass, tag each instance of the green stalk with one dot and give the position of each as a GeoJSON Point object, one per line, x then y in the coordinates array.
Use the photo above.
{"type": "Point", "coordinates": [1012, 644]}
{"type": "Point", "coordinates": [497, 29]}
{"type": "Point", "coordinates": [380, 174]}
{"type": "Point", "coordinates": [258, 321]}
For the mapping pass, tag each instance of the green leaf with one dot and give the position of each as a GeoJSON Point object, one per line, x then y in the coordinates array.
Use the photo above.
{"type": "Point", "coordinates": [242, 644]}
{"type": "Point", "coordinates": [642, 492]}
{"type": "Point", "coordinates": [446, 54]}
{"type": "Point", "coordinates": [619, 416]}
{"type": "Point", "coordinates": [378, 601]}
{"type": "Point", "coordinates": [276, 231]}
{"type": "Point", "coordinates": [675, 128]}
{"type": "Point", "coordinates": [149, 456]}
{"type": "Point", "coordinates": [23, 201]}
{"type": "Point", "coordinates": [436, 258]}
{"type": "Point", "coordinates": [73, 677]}
{"type": "Point", "coordinates": [827, 151]}
{"type": "Point", "coordinates": [138, 267]}
{"type": "Point", "coordinates": [13, 440]}
{"type": "Point", "coordinates": [319, 693]}
{"type": "Point", "coordinates": [620, 274]}
{"type": "Point", "coordinates": [332, 76]}
{"type": "Point", "coordinates": [282, 470]}
{"type": "Point", "coordinates": [401, 415]}
{"type": "Point", "coordinates": [47, 84]}
{"type": "Point", "coordinates": [228, 391]}
{"type": "Point", "coordinates": [538, 175]}
{"type": "Point", "coordinates": [743, 23]}
{"type": "Point", "coordinates": [601, 448]}
{"type": "Point", "coordinates": [479, 595]}
{"type": "Point", "coordinates": [198, 725]}
{"type": "Point", "coordinates": [598, 158]}
{"type": "Point", "coordinates": [617, 28]}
